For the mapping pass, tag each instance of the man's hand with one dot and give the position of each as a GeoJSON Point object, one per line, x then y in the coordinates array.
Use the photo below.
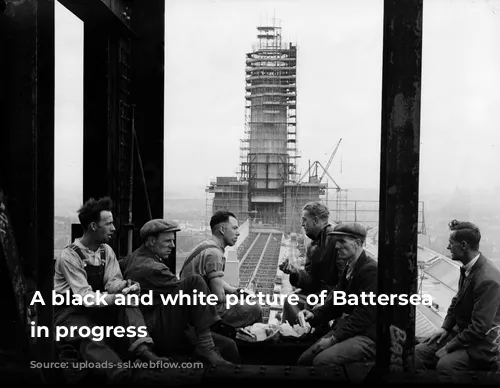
{"type": "Point", "coordinates": [441, 352]}
{"type": "Point", "coordinates": [308, 315]}
{"type": "Point", "coordinates": [241, 291]}
{"type": "Point", "coordinates": [288, 267]}
{"type": "Point", "coordinates": [244, 291]}
{"type": "Point", "coordinates": [323, 344]}
{"type": "Point", "coordinates": [132, 287]}
{"type": "Point", "coordinates": [439, 336]}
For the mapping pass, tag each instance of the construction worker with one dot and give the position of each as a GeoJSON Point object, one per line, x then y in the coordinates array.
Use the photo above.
{"type": "Point", "coordinates": [170, 324]}
{"type": "Point", "coordinates": [352, 339]}
{"type": "Point", "coordinates": [207, 259]}
{"type": "Point", "coordinates": [86, 268]}
{"type": "Point", "coordinates": [322, 267]}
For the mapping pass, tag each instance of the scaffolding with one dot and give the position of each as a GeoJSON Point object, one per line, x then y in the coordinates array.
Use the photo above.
{"type": "Point", "coordinates": [336, 205]}
{"type": "Point", "coordinates": [230, 194]}
{"type": "Point", "coordinates": [266, 189]}
{"type": "Point", "coordinates": [270, 144]}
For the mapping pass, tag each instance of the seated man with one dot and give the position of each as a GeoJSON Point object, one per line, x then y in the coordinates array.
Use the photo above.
{"type": "Point", "coordinates": [353, 337]}
{"type": "Point", "coordinates": [207, 260]}
{"type": "Point", "coordinates": [170, 324]}
{"type": "Point", "coordinates": [85, 267]}
{"type": "Point", "coordinates": [469, 337]}
{"type": "Point", "coordinates": [322, 268]}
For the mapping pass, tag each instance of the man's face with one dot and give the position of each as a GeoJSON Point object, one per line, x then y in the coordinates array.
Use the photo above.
{"type": "Point", "coordinates": [456, 249]}
{"type": "Point", "coordinates": [340, 262]}
{"type": "Point", "coordinates": [230, 231]}
{"type": "Point", "coordinates": [104, 229]}
{"type": "Point", "coordinates": [310, 225]}
{"type": "Point", "coordinates": [346, 247]}
{"type": "Point", "coordinates": [163, 244]}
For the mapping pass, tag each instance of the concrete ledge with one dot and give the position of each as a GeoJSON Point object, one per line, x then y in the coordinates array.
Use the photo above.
{"type": "Point", "coordinates": [475, 378]}
{"type": "Point", "coordinates": [255, 374]}
{"type": "Point", "coordinates": [291, 374]}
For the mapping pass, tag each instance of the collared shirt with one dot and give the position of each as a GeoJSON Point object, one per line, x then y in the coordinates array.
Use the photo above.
{"type": "Point", "coordinates": [350, 267]}
{"type": "Point", "coordinates": [468, 267]}
{"type": "Point", "coordinates": [146, 268]}
{"type": "Point", "coordinates": [209, 263]}
{"type": "Point", "coordinates": [70, 271]}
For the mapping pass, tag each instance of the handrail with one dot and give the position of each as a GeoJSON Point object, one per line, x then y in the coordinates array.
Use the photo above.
{"type": "Point", "coordinates": [248, 250]}
{"type": "Point", "coordinates": [260, 259]}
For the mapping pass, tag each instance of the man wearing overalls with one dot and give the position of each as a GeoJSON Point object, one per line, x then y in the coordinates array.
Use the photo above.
{"type": "Point", "coordinates": [89, 266]}
{"type": "Point", "coordinates": [207, 260]}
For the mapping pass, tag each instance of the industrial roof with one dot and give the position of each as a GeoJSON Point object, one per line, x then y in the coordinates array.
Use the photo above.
{"type": "Point", "coordinates": [427, 321]}
{"type": "Point", "coordinates": [445, 271]}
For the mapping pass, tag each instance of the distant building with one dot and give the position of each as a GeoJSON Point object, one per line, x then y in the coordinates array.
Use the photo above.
{"type": "Point", "coordinates": [62, 234]}
{"type": "Point", "coordinates": [267, 190]}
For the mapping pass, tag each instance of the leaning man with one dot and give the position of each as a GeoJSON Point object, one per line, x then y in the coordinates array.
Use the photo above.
{"type": "Point", "coordinates": [322, 268]}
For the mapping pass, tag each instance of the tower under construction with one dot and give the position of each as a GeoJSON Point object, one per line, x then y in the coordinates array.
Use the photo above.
{"type": "Point", "coordinates": [267, 189]}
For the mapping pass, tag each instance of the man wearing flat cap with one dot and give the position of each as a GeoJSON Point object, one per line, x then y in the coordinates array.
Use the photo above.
{"type": "Point", "coordinates": [353, 337]}
{"type": "Point", "coordinates": [171, 325]}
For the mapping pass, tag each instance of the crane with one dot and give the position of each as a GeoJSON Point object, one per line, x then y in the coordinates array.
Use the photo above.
{"type": "Point", "coordinates": [330, 160]}
{"type": "Point", "coordinates": [314, 168]}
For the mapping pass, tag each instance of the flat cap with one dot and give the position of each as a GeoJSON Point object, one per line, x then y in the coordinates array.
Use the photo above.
{"type": "Point", "coordinates": [158, 226]}
{"type": "Point", "coordinates": [352, 229]}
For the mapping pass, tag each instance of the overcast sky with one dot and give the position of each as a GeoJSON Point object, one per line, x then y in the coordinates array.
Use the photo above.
{"type": "Point", "coordinates": [338, 89]}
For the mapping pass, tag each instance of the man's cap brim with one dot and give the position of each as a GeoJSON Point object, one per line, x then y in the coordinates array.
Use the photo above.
{"type": "Point", "coordinates": [172, 230]}
{"type": "Point", "coordinates": [348, 234]}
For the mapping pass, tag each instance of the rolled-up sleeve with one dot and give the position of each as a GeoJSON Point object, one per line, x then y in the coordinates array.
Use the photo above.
{"type": "Point", "coordinates": [71, 269]}
{"type": "Point", "coordinates": [113, 278]}
{"type": "Point", "coordinates": [214, 264]}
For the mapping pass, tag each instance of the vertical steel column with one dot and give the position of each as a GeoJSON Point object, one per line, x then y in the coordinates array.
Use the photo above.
{"type": "Point", "coordinates": [43, 247]}
{"type": "Point", "coordinates": [97, 132]}
{"type": "Point", "coordinates": [27, 151]}
{"type": "Point", "coordinates": [148, 89]}
{"type": "Point", "coordinates": [399, 172]}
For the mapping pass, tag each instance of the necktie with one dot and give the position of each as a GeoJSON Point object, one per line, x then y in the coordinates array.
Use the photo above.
{"type": "Point", "coordinates": [348, 273]}
{"type": "Point", "coordinates": [462, 277]}
{"type": "Point", "coordinates": [343, 277]}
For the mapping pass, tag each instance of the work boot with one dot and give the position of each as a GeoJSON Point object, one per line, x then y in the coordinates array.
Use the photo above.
{"type": "Point", "coordinates": [211, 356]}
{"type": "Point", "coordinates": [144, 353]}
{"type": "Point", "coordinates": [73, 374]}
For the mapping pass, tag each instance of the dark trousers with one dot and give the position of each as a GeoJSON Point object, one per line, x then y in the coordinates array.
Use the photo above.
{"type": "Point", "coordinates": [355, 349]}
{"type": "Point", "coordinates": [290, 311]}
{"type": "Point", "coordinates": [240, 315]}
{"type": "Point", "coordinates": [169, 325]}
{"type": "Point", "coordinates": [111, 349]}
{"type": "Point", "coordinates": [425, 358]}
